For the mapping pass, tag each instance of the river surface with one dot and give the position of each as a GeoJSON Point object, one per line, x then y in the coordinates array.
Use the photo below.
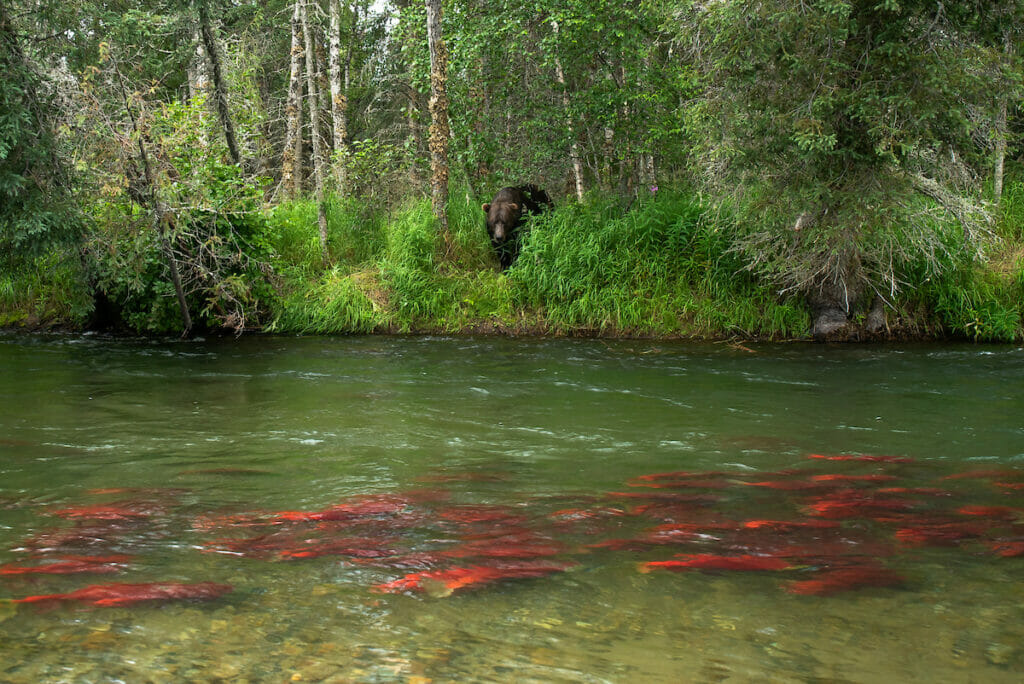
{"type": "Point", "coordinates": [378, 509]}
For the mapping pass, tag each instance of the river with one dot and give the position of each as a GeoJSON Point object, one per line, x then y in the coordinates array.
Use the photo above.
{"type": "Point", "coordinates": [404, 509]}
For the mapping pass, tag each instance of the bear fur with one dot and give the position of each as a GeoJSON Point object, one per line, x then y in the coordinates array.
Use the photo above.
{"type": "Point", "coordinates": [505, 218]}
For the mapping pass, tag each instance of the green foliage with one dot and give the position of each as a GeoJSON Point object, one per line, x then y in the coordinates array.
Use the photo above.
{"type": "Point", "coordinates": [467, 224]}
{"type": "Point", "coordinates": [409, 268]}
{"type": "Point", "coordinates": [354, 233]}
{"type": "Point", "coordinates": [293, 229]}
{"type": "Point", "coordinates": [1010, 217]}
{"type": "Point", "coordinates": [36, 208]}
{"type": "Point", "coordinates": [979, 304]}
{"type": "Point", "coordinates": [842, 146]}
{"type": "Point", "coordinates": [337, 303]}
{"type": "Point", "coordinates": [840, 132]}
{"type": "Point", "coordinates": [217, 230]}
{"type": "Point", "coordinates": [391, 271]}
{"type": "Point", "coordinates": [662, 268]}
{"type": "Point", "coordinates": [46, 290]}
{"type": "Point", "coordinates": [510, 121]}
{"type": "Point", "coordinates": [376, 171]}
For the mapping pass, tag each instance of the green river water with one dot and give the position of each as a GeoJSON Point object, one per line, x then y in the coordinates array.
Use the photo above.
{"type": "Point", "coordinates": [484, 510]}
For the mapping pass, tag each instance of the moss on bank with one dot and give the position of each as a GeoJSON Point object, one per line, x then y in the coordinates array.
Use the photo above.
{"type": "Point", "coordinates": [662, 267]}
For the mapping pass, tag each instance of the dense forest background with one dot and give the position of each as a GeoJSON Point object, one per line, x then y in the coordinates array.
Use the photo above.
{"type": "Point", "coordinates": [844, 169]}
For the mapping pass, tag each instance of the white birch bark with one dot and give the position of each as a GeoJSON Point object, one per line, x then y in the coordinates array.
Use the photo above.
{"type": "Point", "coordinates": [312, 96]}
{"type": "Point", "coordinates": [291, 155]}
{"type": "Point", "coordinates": [574, 147]}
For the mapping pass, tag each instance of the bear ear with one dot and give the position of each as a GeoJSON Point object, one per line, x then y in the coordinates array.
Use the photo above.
{"type": "Point", "coordinates": [487, 207]}
{"type": "Point", "coordinates": [513, 206]}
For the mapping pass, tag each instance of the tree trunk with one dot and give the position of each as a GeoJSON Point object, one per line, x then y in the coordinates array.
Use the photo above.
{"type": "Point", "coordinates": [1001, 132]}
{"type": "Point", "coordinates": [574, 147]}
{"type": "Point", "coordinates": [438, 118]}
{"type": "Point", "coordinates": [1000, 161]}
{"type": "Point", "coordinates": [339, 91]}
{"type": "Point", "coordinates": [220, 88]}
{"type": "Point", "coordinates": [314, 125]}
{"type": "Point", "coordinates": [199, 86]}
{"type": "Point", "coordinates": [415, 135]}
{"type": "Point", "coordinates": [291, 155]}
{"type": "Point", "coordinates": [146, 196]}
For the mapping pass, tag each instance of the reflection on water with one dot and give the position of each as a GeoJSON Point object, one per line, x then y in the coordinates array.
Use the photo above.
{"type": "Point", "coordinates": [431, 509]}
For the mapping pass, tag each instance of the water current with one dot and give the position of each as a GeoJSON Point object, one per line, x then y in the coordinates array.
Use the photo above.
{"type": "Point", "coordinates": [378, 509]}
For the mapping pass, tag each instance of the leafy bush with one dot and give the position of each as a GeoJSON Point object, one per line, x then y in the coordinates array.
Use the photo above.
{"type": "Point", "coordinates": [215, 228]}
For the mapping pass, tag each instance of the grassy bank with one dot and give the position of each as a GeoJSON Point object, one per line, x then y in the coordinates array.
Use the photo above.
{"type": "Point", "coordinates": [662, 267]}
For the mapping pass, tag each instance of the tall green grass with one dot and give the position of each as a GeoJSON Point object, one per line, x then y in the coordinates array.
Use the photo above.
{"type": "Point", "coordinates": [49, 290]}
{"type": "Point", "coordinates": [354, 233]}
{"type": "Point", "coordinates": [664, 267]}
{"type": "Point", "coordinates": [983, 300]}
{"type": "Point", "coordinates": [332, 296]}
{"type": "Point", "coordinates": [334, 303]}
{"type": "Point", "coordinates": [661, 268]}
{"type": "Point", "coordinates": [390, 271]}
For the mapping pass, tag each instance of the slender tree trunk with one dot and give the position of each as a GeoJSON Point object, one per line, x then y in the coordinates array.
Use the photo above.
{"type": "Point", "coordinates": [628, 165]}
{"type": "Point", "coordinates": [291, 155]}
{"type": "Point", "coordinates": [334, 70]}
{"type": "Point", "coordinates": [220, 88]}
{"type": "Point", "coordinates": [199, 86]}
{"type": "Point", "coordinates": [646, 171]}
{"type": "Point", "coordinates": [608, 152]}
{"type": "Point", "coordinates": [1000, 161]}
{"type": "Point", "coordinates": [339, 90]}
{"type": "Point", "coordinates": [314, 125]}
{"type": "Point", "coordinates": [439, 129]}
{"type": "Point", "coordinates": [416, 136]}
{"type": "Point", "coordinates": [574, 147]}
{"type": "Point", "coordinates": [1001, 131]}
{"type": "Point", "coordinates": [346, 84]}
{"type": "Point", "coordinates": [146, 196]}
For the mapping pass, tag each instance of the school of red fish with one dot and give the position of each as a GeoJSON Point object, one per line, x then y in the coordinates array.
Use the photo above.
{"type": "Point", "coordinates": [841, 523]}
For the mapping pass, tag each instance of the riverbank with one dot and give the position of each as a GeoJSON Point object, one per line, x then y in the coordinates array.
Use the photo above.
{"type": "Point", "coordinates": [664, 267]}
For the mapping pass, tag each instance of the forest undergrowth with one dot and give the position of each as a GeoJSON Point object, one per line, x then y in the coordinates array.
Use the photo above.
{"type": "Point", "coordinates": [664, 266]}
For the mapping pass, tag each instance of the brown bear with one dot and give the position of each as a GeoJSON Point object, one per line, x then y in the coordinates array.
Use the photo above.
{"type": "Point", "coordinates": [505, 216]}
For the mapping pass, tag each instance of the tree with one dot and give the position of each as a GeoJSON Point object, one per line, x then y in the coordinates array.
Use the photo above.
{"type": "Point", "coordinates": [340, 76]}
{"type": "Point", "coordinates": [36, 207]}
{"type": "Point", "coordinates": [291, 154]}
{"type": "Point", "coordinates": [574, 149]}
{"type": "Point", "coordinates": [142, 188]}
{"type": "Point", "coordinates": [220, 87]}
{"type": "Point", "coordinates": [439, 130]}
{"type": "Point", "coordinates": [567, 95]}
{"type": "Point", "coordinates": [840, 132]}
{"type": "Point", "coordinates": [312, 92]}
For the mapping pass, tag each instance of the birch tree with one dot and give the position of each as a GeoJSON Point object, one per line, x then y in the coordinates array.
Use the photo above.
{"type": "Point", "coordinates": [312, 95]}
{"type": "Point", "coordinates": [574, 147]}
{"type": "Point", "coordinates": [339, 77]}
{"type": "Point", "coordinates": [439, 129]}
{"type": "Point", "coordinates": [291, 154]}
